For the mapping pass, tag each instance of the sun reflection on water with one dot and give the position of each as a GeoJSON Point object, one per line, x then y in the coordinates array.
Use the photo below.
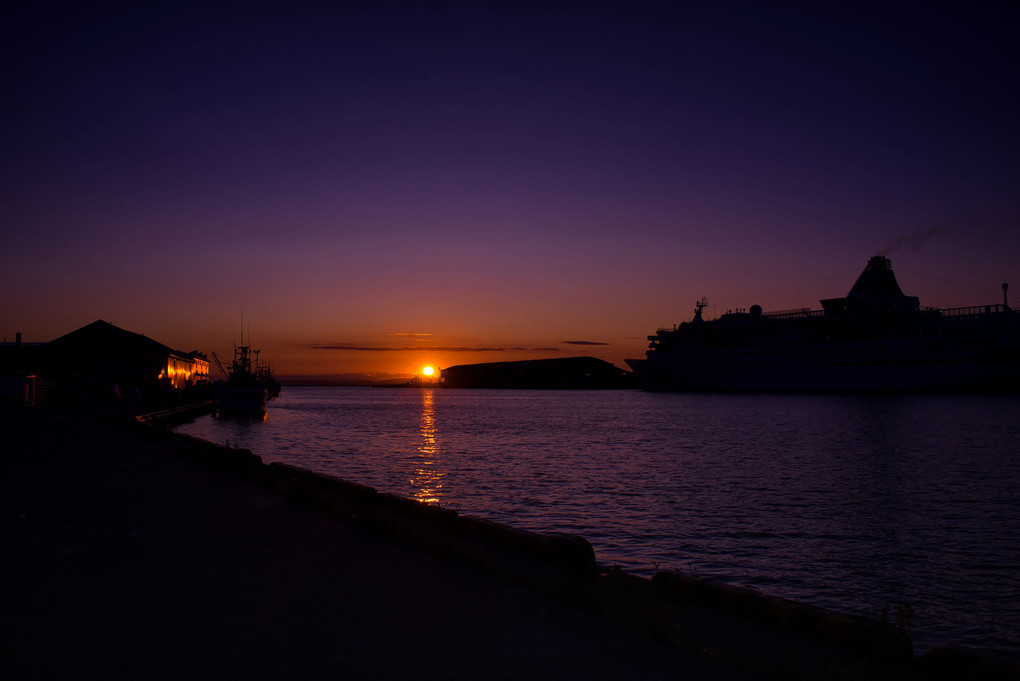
{"type": "Point", "coordinates": [427, 480]}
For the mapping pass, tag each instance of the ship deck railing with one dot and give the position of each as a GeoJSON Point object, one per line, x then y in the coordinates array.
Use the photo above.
{"type": "Point", "coordinates": [970, 312]}
{"type": "Point", "coordinates": [956, 312]}
{"type": "Point", "coordinates": [802, 313]}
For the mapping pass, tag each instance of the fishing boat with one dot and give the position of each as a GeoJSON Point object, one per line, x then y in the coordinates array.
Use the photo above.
{"type": "Point", "coordinates": [875, 339]}
{"type": "Point", "coordinates": [248, 385]}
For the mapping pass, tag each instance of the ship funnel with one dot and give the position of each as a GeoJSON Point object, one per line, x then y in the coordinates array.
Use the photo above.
{"type": "Point", "coordinates": [876, 289]}
{"type": "Point", "coordinates": [879, 262]}
{"type": "Point", "coordinates": [877, 281]}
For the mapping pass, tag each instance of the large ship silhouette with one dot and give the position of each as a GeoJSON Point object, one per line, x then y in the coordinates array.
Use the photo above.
{"type": "Point", "coordinates": [876, 339]}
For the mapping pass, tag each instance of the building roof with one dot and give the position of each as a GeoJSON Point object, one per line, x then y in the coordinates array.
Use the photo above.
{"type": "Point", "coordinates": [101, 333]}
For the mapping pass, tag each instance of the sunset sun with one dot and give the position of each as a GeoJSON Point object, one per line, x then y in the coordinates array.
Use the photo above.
{"type": "Point", "coordinates": [428, 371]}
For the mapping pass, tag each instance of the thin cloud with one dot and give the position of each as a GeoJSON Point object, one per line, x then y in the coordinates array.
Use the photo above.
{"type": "Point", "coordinates": [410, 335]}
{"type": "Point", "coordinates": [583, 342]}
{"type": "Point", "coordinates": [424, 348]}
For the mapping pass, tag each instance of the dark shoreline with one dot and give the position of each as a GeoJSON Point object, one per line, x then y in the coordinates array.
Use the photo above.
{"type": "Point", "coordinates": [744, 633]}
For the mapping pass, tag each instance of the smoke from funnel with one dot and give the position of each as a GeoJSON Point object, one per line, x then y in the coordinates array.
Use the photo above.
{"type": "Point", "coordinates": [915, 241]}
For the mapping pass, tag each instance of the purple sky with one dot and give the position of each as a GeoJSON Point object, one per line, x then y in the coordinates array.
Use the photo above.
{"type": "Point", "coordinates": [400, 185]}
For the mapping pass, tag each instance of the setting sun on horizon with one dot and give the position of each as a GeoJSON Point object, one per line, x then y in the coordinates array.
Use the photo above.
{"type": "Point", "coordinates": [428, 371]}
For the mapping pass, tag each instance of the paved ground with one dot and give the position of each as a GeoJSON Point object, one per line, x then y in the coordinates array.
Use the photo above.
{"type": "Point", "coordinates": [123, 561]}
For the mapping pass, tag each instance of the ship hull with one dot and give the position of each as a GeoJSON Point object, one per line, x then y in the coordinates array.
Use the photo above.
{"type": "Point", "coordinates": [240, 399]}
{"type": "Point", "coordinates": [880, 367]}
{"type": "Point", "coordinates": [666, 374]}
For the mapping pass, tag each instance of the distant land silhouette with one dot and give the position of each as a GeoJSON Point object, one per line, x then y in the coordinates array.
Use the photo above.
{"type": "Point", "coordinates": [565, 373]}
{"type": "Point", "coordinates": [555, 373]}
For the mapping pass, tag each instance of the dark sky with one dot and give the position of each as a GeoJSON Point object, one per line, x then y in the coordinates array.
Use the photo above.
{"type": "Point", "coordinates": [447, 183]}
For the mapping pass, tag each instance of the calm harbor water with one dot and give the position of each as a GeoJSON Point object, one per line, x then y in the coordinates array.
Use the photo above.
{"type": "Point", "coordinates": [850, 503]}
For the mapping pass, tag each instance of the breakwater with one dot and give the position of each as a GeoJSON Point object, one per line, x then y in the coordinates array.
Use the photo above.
{"type": "Point", "coordinates": [715, 617]}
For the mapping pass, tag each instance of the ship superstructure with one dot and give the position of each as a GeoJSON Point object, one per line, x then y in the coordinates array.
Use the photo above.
{"type": "Point", "coordinates": [875, 339]}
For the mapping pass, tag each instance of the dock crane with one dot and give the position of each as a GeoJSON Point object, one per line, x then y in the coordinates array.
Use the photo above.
{"type": "Point", "coordinates": [219, 365]}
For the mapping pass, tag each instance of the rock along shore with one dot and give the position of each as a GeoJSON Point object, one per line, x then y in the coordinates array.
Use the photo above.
{"type": "Point", "coordinates": [140, 553]}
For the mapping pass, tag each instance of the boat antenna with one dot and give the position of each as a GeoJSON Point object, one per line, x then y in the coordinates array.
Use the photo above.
{"type": "Point", "coordinates": [1005, 299]}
